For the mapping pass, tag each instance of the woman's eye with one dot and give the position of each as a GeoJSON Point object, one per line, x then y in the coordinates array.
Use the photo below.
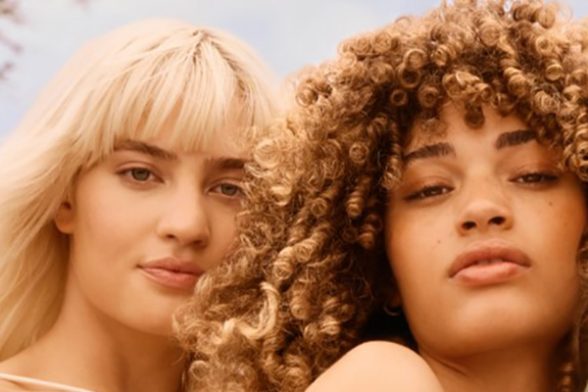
{"type": "Point", "coordinates": [229, 190]}
{"type": "Point", "coordinates": [536, 178]}
{"type": "Point", "coordinates": [139, 174]}
{"type": "Point", "coordinates": [429, 192]}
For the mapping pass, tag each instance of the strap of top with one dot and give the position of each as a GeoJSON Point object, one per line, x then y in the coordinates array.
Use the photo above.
{"type": "Point", "coordinates": [52, 386]}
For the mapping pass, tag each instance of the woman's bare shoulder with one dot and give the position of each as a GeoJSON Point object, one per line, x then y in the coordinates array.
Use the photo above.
{"type": "Point", "coordinates": [11, 366]}
{"type": "Point", "coordinates": [8, 386]}
{"type": "Point", "coordinates": [378, 366]}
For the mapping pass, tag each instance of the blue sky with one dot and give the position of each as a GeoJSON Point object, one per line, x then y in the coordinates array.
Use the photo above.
{"type": "Point", "coordinates": [288, 34]}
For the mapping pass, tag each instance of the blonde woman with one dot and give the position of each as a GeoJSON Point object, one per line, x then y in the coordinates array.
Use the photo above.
{"type": "Point", "coordinates": [428, 194]}
{"type": "Point", "coordinates": [120, 189]}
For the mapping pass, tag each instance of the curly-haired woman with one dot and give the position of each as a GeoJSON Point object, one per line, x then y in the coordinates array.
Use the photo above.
{"type": "Point", "coordinates": [425, 194]}
{"type": "Point", "coordinates": [118, 191]}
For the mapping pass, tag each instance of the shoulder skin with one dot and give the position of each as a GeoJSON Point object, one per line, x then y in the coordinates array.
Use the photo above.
{"type": "Point", "coordinates": [7, 386]}
{"type": "Point", "coordinates": [378, 366]}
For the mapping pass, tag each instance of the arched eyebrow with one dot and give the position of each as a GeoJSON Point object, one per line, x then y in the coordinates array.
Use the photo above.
{"type": "Point", "coordinates": [225, 163]}
{"type": "Point", "coordinates": [217, 162]}
{"type": "Point", "coordinates": [515, 138]}
{"type": "Point", "coordinates": [506, 139]}
{"type": "Point", "coordinates": [430, 151]}
{"type": "Point", "coordinates": [146, 148]}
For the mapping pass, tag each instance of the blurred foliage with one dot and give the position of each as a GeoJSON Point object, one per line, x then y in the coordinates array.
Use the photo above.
{"type": "Point", "coordinates": [10, 11]}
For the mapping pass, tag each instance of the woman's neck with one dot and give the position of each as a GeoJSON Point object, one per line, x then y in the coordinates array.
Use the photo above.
{"type": "Point", "coordinates": [508, 370]}
{"type": "Point", "coordinates": [86, 348]}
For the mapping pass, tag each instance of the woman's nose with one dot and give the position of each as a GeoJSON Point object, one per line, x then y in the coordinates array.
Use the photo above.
{"type": "Point", "coordinates": [186, 220]}
{"type": "Point", "coordinates": [483, 211]}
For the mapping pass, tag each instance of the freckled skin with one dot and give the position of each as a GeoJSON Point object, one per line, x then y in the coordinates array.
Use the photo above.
{"type": "Point", "coordinates": [545, 220]}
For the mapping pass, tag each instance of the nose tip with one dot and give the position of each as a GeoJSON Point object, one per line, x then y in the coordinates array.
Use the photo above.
{"type": "Point", "coordinates": [186, 224]}
{"type": "Point", "coordinates": [196, 234]}
{"type": "Point", "coordinates": [484, 215]}
{"type": "Point", "coordinates": [493, 221]}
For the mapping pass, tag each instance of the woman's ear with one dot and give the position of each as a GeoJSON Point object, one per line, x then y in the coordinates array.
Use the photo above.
{"type": "Point", "coordinates": [64, 218]}
{"type": "Point", "coordinates": [392, 297]}
{"type": "Point", "coordinates": [394, 300]}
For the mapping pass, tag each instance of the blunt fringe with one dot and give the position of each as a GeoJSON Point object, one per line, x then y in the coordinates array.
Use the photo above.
{"type": "Point", "coordinates": [145, 80]}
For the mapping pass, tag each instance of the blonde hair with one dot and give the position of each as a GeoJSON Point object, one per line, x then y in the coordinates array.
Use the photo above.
{"type": "Point", "coordinates": [310, 276]}
{"type": "Point", "coordinates": [124, 85]}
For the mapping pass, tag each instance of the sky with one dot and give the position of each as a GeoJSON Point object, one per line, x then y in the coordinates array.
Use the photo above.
{"type": "Point", "coordinates": [287, 34]}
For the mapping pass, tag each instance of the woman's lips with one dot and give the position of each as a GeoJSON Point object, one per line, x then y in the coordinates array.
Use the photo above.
{"type": "Point", "coordinates": [488, 262]}
{"type": "Point", "coordinates": [172, 273]}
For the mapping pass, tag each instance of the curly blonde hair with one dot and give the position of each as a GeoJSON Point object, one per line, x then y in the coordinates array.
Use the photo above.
{"type": "Point", "coordinates": [310, 274]}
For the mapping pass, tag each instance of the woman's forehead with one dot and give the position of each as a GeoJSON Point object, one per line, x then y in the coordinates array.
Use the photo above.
{"type": "Point", "coordinates": [452, 120]}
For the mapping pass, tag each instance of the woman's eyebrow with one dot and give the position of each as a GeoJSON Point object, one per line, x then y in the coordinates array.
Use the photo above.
{"type": "Point", "coordinates": [506, 139]}
{"type": "Point", "coordinates": [430, 151]}
{"type": "Point", "coordinates": [225, 163]}
{"type": "Point", "coordinates": [146, 148]}
{"type": "Point", "coordinates": [515, 138]}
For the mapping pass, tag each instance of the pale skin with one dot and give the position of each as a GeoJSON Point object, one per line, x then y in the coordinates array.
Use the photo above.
{"type": "Point", "coordinates": [144, 203]}
{"type": "Point", "coordinates": [491, 193]}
